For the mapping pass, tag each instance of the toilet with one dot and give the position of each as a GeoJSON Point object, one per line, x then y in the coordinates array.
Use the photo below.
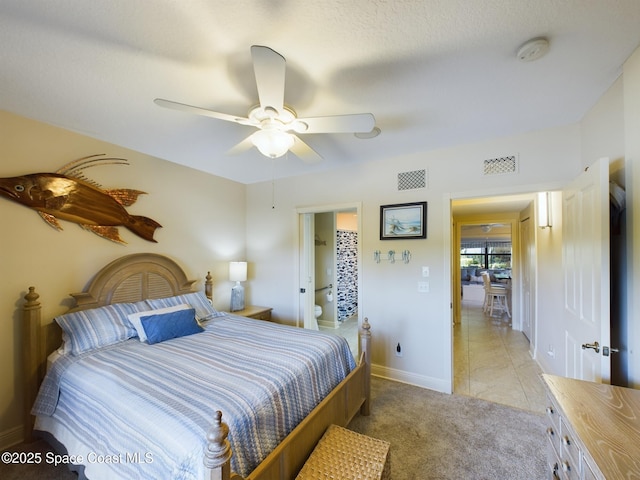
{"type": "Point", "coordinates": [317, 311]}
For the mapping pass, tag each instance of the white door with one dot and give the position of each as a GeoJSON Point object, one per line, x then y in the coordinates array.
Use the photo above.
{"type": "Point", "coordinates": [585, 238]}
{"type": "Point", "coordinates": [307, 271]}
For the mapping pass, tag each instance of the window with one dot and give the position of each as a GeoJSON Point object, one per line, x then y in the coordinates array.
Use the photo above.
{"type": "Point", "coordinates": [485, 254]}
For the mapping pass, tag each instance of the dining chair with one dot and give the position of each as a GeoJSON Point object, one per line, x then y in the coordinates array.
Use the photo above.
{"type": "Point", "coordinates": [495, 297]}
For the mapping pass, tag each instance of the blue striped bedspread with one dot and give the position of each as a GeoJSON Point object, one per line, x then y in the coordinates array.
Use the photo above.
{"type": "Point", "coordinates": [142, 411]}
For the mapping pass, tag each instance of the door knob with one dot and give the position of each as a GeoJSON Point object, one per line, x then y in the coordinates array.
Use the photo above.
{"type": "Point", "coordinates": [595, 346]}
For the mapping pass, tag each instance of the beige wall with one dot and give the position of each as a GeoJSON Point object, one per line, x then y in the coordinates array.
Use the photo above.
{"type": "Point", "coordinates": [421, 322]}
{"type": "Point", "coordinates": [202, 216]}
{"type": "Point", "coordinates": [208, 221]}
{"type": "Point", "coordinates": [601, 135]}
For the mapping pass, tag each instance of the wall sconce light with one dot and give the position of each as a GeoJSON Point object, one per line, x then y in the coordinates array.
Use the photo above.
{"type": "Point", "coordinates": [544, 209]}
{"type": "Point", "coordinates": [237, 273]}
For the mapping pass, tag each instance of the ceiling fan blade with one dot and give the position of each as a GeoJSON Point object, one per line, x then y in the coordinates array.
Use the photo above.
{"type": "Point", "coordinates": [241, 147]}
{"type": "Point", "coordinates": [304, 152]}
{"type": "Point", "coordinates": [201, 111]}
{"type": "Point", "coordinates": [269, 68]}
{"type": "Point", "coordinates": [355, 123]}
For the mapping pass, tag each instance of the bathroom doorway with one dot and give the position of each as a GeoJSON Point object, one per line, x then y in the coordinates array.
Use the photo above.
{"type": "Point", "coordinates": [330, 270]}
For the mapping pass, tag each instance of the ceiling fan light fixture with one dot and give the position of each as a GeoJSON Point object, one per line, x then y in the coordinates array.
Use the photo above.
{"type": "Point", "coordinates": [272, 143]}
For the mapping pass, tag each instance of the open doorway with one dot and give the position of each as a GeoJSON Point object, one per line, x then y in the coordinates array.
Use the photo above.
{"type": "Point", "coordinates": [486, 255]}
{"type": "Point", "coordinates": [330, 270]}
{"type": "Point", "coordinates": [492, 219]}
{"type": "Point", "coordinates": [491, 353]}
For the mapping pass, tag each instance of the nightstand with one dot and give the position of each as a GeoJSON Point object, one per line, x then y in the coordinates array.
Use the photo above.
{"type": "Point", "coordinates": [252, 311]}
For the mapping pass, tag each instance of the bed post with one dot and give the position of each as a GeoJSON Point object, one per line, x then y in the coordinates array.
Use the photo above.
{"type": "Point", "coordinates": [217, 454]}
{"type": "Point", "coordinates": [208, 287]}
{"type": "Point", "coordinates": [365, 349]}
{"type": "Point", "coordinates": [31, 357]}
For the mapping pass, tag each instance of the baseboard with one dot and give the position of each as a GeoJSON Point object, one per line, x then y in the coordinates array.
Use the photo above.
{"type": "Point", "coordinates": [545, 365]}
{"type": "Point", "coordinates": [422, 381]}
{"type": "Point", "coordinates": [11, 437]}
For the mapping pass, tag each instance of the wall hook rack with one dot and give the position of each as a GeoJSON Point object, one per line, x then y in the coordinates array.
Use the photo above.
{"type": "Point", "coordinates": [391, 256]}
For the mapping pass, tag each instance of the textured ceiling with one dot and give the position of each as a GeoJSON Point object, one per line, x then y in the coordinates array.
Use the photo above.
{"type": "Point", "coordinates": [435, 73]}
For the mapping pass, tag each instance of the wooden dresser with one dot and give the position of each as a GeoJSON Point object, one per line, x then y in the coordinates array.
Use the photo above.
{"type": "Point", "coordinates": [593, 430]}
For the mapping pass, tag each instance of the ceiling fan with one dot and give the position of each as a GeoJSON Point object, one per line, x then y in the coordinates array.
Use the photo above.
{"type": "Point", "coordinates": [278, 125]}
{"type": "Point", "coordinates": [487, 227]}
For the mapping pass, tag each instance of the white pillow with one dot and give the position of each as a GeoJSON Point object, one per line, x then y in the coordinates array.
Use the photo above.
{"type": "Point", "coordinates": [135, 318]}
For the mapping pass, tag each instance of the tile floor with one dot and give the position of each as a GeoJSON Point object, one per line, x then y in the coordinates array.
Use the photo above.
{"type": "Point", "coordinates": [349, 330]}
{"type": "Point", "coordinates": [492, 361]}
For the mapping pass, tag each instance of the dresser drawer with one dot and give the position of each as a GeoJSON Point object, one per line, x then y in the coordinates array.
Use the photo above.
{"type": "Point", "coordinates": [588, 472]}
{"type": "Point", "coordinates": [569, 470]}
{"type": "Point", "coordinates": [553, 463]}
{"type": "Point", "coordinates": [553, 426]}
{"type": "Point", "coordinates": [570, 453]}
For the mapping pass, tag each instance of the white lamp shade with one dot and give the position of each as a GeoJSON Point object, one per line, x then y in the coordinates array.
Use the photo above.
{"type": "Point", "coordinates": [272, 143]}
{"type": "Point", "coordinates": [238, 271]}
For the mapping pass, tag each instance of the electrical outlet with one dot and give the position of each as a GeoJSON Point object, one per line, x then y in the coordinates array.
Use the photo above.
{"type": "Point", "coordinates": [423, 287]}
{"type": "Point", "coordinates": [398, 350]}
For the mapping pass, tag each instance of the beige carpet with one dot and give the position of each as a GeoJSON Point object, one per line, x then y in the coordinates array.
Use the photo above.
{"type": "Point", "coordinates": [432, 435]}
{"type": "Point", "coordinates": [438, 436]}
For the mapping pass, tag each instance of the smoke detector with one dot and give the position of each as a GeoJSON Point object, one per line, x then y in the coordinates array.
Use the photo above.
{"type": "Point", "coordinates": [533, 49]}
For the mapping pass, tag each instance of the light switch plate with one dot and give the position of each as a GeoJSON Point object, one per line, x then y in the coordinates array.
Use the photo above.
{"type": "Point", "coordinates": [425, 271]}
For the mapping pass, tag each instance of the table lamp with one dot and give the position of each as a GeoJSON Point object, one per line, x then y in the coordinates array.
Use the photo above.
{"type": "Point", "coordinates": [237, 273]}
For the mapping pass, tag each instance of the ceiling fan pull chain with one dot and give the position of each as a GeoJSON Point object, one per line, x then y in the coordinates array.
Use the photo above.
{"type": "Point", "coordinates": [273, 183]}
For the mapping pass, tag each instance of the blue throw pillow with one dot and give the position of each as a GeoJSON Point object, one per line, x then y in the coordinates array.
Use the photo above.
{"type": "Point", "coordinates": [165, 326]}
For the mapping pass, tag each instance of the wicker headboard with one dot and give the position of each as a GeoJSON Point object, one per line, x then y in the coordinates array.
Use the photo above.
{"type": "Point", "coordinates": [131, 278]}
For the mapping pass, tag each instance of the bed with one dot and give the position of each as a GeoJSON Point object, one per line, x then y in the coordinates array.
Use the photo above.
{"type": "Point", "coordinates": [203, 404]}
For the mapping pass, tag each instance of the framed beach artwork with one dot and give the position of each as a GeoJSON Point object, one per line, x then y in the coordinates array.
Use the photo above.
{"type": "Point", "coordinates": [403, 221]}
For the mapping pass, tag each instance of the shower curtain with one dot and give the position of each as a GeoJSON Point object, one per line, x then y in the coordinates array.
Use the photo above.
{"type": "Point", "coordinates": [347, 274]}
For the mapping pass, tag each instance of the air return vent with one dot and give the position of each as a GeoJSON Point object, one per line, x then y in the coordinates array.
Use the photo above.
{"type": "Point", "coordinates": [412, 180]}
{"type": "Point", "coordinates": [502, 165]}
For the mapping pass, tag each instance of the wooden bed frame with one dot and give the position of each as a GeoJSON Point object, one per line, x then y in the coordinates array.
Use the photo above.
{"type": "Point", "coordinates": [143, 276]}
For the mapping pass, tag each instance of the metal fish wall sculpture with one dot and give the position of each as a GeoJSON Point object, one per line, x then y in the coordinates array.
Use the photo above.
{"type": "Point", "coordinates": [69, 195]}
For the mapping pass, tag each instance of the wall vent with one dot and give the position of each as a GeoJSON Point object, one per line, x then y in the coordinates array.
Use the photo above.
{"type": "Point", "coordinates": [502, 165]}
{"type": "Point", "coordinates": [412, 180]}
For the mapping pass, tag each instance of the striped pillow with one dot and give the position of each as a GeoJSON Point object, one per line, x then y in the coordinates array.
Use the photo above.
{"type": "Point", "coordinates": [198, 300]}
{"type": "Point", "coordinates": [97, 327]}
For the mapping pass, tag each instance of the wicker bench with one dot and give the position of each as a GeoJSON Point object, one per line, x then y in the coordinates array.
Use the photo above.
{"type": "Point", "coordinates": [347, 455]}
